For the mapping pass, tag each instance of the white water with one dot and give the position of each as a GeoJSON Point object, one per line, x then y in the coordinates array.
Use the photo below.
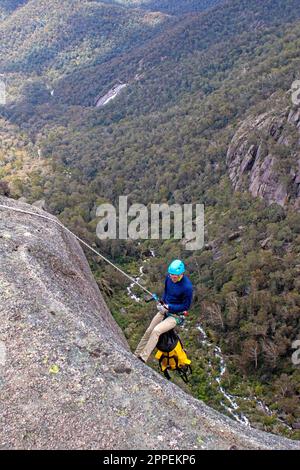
{"type": "Point", "coordinates": [141, 269]}
{"type": "Point", "coordinates": [231, 406]}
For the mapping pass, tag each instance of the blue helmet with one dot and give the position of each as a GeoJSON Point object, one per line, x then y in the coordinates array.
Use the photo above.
{"type": "Point", "coordinates": [176, 267]}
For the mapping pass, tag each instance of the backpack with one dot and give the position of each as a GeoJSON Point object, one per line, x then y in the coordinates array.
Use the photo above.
{"type": "Point", "coordinates": [172, 356]}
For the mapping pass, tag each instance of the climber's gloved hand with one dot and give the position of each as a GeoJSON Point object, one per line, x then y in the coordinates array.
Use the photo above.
{"type": "Point", "coordinates": [162, 308]}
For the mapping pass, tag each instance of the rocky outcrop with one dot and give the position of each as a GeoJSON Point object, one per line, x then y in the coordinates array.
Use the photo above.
{"type": "Point", "coordinates": [67, 377]}
{"type": "Point", "coordinates": [264, 157]}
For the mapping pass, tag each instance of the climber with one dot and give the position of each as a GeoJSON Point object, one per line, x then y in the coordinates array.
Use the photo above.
{"type": "Point", "coordinates": [176, 300]}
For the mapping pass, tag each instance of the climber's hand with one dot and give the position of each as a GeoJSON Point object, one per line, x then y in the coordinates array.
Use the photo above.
{"type": "Point", "coordinates": [162, 308]}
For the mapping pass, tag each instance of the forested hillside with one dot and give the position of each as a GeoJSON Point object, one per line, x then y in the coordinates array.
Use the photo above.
{"type": "Point", "coordinates": [174, 7]}
{"type": "Point", "coordinates": [193, 82]}
{"type": "Point", "coordinates": [64, 35]}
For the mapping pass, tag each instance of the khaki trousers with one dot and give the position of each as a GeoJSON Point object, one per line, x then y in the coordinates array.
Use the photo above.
{"type": "Point", "coordinates": [153, 332]}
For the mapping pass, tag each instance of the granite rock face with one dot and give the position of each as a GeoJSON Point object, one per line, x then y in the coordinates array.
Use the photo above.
{"type": "Point", "coordinates": [67, 377]}
{"type": "Point", "coordinates": [264, 157]}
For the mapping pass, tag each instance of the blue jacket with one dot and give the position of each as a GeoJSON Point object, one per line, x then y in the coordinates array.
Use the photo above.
{"type": "Point", "coordinates": [178, 295]}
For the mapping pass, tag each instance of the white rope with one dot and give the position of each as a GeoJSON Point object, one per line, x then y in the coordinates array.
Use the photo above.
{"type": "Point", "coordinates": [79, 239]}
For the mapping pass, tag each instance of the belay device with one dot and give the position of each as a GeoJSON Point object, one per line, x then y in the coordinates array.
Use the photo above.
{"type": "Point", "coordinates": [172, 356]}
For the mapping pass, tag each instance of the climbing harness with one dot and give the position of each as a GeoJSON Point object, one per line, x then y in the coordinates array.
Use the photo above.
{"type": "Point", "coordinates": [153, 296]}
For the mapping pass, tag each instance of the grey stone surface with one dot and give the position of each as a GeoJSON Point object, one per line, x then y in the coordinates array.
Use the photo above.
{"type": "Point", "coordinates": [68, 379]}
{"type": "Point", "coordinates": [252, 169]}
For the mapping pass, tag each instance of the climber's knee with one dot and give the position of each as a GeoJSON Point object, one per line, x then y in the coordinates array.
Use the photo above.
{"type": "Point", "coordinates": [156, 331]}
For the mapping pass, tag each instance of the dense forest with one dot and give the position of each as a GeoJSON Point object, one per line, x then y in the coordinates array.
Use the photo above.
{"type": "Point", "coordinates": [193, 77]}
{"type": "Point", "coordinates": [173, 7]}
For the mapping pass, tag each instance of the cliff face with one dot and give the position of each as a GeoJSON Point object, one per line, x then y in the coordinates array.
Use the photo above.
{"type": "Point", "coordinates": [264, 157]}
{"type": "Point", "coordinates": [67, 377]}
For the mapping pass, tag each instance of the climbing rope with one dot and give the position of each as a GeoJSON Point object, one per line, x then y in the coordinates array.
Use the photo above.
{"type": "Point", "coordinates": [80, 240]}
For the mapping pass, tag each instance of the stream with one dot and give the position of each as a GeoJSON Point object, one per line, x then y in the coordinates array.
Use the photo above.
{"type": "Point", "coordinates": [137, 279]}
{"type": "Point", "coordinates": [231, 406]}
